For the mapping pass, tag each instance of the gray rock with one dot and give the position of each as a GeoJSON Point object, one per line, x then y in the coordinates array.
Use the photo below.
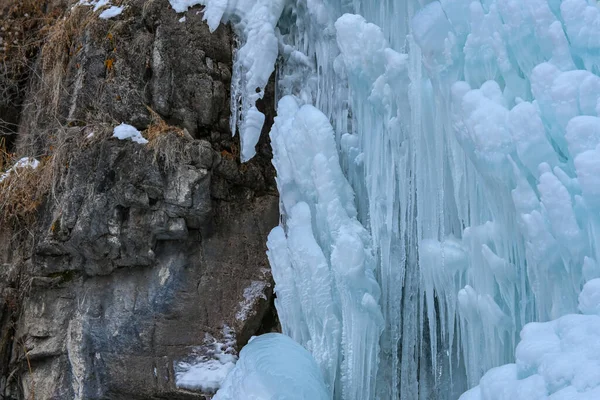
{"type": "Point", "coordinates": [142, 251]}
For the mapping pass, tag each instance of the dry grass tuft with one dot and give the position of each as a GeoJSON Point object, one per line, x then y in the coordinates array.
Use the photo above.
{"type": "Point", "coordinates": [23, 192]}
{"type": "Point", "coordinates": [5, 156]}
{"type": "Point", "coordinates": [158, 127]}
{"type": "Point", "coordinates": [25, 189]}
{"type": "Point", "coordinates": [46, 136]}
{"type": "Point", "coordinates": [23, 25]}
{"type": "Point", "coordinates": [169, 143]}
{"type": "Point", "coordinates": [62, 43]}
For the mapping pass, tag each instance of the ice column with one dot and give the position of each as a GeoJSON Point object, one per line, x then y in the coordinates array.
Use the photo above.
{"type": "Point", "coordinates": [321, 256]}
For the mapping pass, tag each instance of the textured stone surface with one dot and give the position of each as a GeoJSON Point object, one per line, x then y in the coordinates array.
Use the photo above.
{"type": "Point", "coordinates": [134, 260]}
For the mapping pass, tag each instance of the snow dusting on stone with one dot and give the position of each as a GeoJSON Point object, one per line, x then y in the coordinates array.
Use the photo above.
{"type": "Point", "coordinates": [252, 294]}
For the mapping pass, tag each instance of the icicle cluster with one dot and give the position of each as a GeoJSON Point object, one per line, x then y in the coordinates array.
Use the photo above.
{"type": "Point", "coordinates": [321, 258]}
{"type": "Point", "coordinates": [469, 132]}
{"type": "Point", "coordinates": [254, 59]}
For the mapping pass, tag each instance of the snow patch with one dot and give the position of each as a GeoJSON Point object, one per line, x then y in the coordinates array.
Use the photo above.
{"type": "Point", "coordinates": [124, 131]}
{"type": "Point", "coordinates": [25, 162]}
{"type": "Point", "coordinates": [208, 365]}
{"type": "Point", "coordinates": [111, 12]}
{"type": "Point", "coordinates": [183, 5]}
{"type": "Point", "coordinates": [252, 294]}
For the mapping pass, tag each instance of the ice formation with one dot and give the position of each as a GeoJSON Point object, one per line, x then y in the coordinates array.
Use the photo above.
{"type": "Point", "coordinates": [254, 60]}
{"type": "Point", "coordinates": [321, 258]}
{"type": "Point", "coordinates": [273, 366]}
{"type": "Point", "coordinates": [555, 360]}
{"type": "Point", "coordinates": [438, 164]}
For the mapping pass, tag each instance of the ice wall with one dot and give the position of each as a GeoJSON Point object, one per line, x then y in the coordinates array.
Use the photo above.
{"type": "Point", "coordinates": [464, 139]}
{"type": "Point", "coordinates": [469, 132]}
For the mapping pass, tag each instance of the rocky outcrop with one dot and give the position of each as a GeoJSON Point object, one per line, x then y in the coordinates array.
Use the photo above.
{"type": "Point", "coordinates": [141, 256]}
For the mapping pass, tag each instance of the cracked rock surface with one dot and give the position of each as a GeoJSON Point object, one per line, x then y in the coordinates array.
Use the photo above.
{"type": "Point", "coordinates": [142, 251]}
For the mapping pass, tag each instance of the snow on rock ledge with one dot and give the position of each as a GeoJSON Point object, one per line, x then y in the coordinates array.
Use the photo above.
{"type": "Point", "coordinates": [111, 12]}
{"type": "Point", "coordinates": [209, 366]}
{"type": "Point", "coordinates": [182, 5]}
{"type": "Point", "coordinates": [25, 162]}
{"type": "Point", "coordinates": [124, 131]}
{"type": "Point", "coordinates": [273, 366]}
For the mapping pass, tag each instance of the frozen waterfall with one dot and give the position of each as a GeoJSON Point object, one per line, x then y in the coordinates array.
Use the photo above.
{"type": "Point", "coordinates": [439, 170]}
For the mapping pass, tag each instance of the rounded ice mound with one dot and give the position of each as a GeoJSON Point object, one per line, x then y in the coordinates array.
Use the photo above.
{"type": "Point", "coordinates": [274, 367]}
{"type": "Point", "coordinates": [589, 299]}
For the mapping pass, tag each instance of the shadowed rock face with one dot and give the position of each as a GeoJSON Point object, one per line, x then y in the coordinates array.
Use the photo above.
{"type": "Point", "coordinates": [134, 262]}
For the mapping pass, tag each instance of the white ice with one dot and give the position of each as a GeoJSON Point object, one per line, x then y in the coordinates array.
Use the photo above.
{"type": "Point", "coordinates": [556, 360]}
{"type": "Point", "coordinates": [254, 22]}
{"type": "Point", "coordinates": [272, 367]}
{"type": "Point", "coordinates": [321, 256]}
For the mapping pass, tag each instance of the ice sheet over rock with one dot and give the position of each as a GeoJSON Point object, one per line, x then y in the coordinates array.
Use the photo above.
{"type": "Point", "coordinates": [254, 59]}
{"type": "Point", "coordinates": [273, 367]}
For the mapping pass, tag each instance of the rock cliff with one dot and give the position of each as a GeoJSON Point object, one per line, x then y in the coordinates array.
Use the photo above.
{"type": "Point", "coordinates": [123, 264]}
